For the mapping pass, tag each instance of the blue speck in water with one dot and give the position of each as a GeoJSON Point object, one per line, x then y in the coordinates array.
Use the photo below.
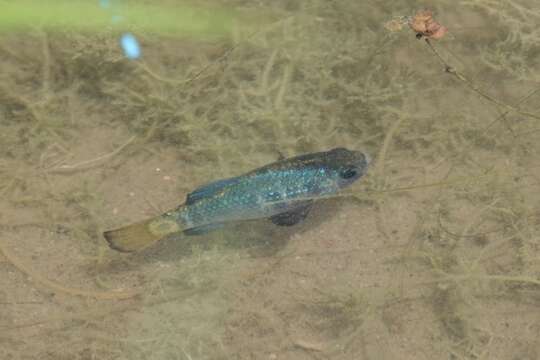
{"type": "Point", "coordinates": [105, 4]}
{"type": "Point", "coordinates": [116, 19]}
{"type": "Point", "coordinates": [130, 45]}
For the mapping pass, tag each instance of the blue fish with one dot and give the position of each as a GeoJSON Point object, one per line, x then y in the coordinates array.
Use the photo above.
{"type": "Point", "coordinates": [282, 191]}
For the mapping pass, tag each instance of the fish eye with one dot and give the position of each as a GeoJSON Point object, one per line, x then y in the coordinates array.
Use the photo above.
{"type": "Point", "coordinates": [348, 173]}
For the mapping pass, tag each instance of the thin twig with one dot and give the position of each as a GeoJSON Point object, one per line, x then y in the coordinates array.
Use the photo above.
{"type": "Point", "coordinates": [87, 164]}
{"type": "Point", "coordinates": [458, 75]}
{"type": "Point", "coordinates": [308, 345]}
{"type": "Point", "coordinates": [379, 168]}
{"type": "Point", "coordinates": [487, 277]}
{"type": "Point", "coordinates": [199, 73]}
{"type": "Point", "coordinates": [46, 66]}
{"type": "Point", "coordinates": [111, 311]}
{"type": "Point", "coordinates": [56, 287]}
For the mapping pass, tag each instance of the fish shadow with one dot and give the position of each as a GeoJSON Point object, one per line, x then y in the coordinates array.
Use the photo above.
{"type": "Point", "coordinates": [261, 237]}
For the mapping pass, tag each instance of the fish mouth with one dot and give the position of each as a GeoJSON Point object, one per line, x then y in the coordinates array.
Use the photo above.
{"type": "Point", "coordinates": [363, 160]}
{"type": "Point", "coordinates": [367, 158]}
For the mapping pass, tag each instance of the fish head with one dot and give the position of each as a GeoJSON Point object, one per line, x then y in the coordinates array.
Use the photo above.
{"type": "Point", "coordinates": [345, 166]}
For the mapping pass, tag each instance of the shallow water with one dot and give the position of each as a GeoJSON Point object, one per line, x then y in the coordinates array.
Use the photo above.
{"type": "Point", "coordinates": [434, 255]}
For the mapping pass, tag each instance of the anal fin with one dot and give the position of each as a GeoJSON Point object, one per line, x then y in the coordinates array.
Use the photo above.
{"type": "Point", "coordinates": [201, 230]}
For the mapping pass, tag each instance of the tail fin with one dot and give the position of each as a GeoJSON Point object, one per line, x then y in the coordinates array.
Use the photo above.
{"type": "Point", "coordinates": [140, 235]}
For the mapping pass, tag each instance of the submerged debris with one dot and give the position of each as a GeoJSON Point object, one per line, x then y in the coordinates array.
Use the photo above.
{"type": "Point", "coordinates": [422, 23]}
{"type": "Point", "coordinates": [396, 24]}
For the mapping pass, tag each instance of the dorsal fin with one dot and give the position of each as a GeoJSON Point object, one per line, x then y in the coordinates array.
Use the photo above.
{"type": "Point", "coordinates": [209, 190]}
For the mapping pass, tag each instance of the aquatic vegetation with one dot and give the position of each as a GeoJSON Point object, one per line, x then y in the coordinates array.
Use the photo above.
{"type": "Point", "coordinates": [516, 34]}
{"type": "Point", "coordinates": [437, 253]}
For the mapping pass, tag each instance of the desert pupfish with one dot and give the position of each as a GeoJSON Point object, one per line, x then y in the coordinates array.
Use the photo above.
{"type": "Point", "coordinates": [282, 191]}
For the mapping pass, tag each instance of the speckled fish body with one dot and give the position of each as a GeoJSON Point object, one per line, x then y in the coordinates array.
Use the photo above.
{"type": "Point", "coordinates": [282, 191]}
{"type": "Point", "coordinates": [277, 188]}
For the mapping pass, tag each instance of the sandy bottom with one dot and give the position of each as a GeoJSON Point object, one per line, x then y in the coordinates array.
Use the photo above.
{"type": "Point", "coordinates": [434, 255]}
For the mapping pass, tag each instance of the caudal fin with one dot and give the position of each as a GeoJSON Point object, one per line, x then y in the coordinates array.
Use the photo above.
{"type": "Point", "coordinates": [140, 235]}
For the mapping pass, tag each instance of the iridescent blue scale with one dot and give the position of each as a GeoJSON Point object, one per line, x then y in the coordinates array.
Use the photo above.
{"type": "Point", "coordinates": [282, 192]}
{"type": "Point", "coordinates": [277, 188]}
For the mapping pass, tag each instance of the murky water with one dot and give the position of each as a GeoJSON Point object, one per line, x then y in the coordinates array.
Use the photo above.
{"type": "Point", "coordinates": [434, 255]}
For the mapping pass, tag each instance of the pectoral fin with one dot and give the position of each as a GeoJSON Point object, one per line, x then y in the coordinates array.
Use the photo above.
{"type": "Point", "coordinates": [293, 217]}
